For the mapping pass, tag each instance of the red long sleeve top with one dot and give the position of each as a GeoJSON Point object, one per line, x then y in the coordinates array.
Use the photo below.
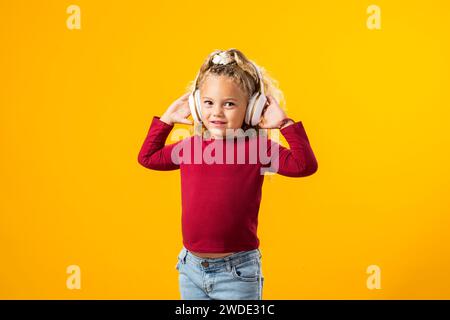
{"type": "Point", "coordinates": [221, 193]}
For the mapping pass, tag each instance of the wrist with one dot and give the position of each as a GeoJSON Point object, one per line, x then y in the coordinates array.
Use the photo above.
{"type": "Point", "coordinates": [166, 119]}
{"type": "Point", "coordinates": [286, 122]}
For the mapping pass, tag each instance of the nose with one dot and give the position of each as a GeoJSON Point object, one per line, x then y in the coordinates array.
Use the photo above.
{"type": "Point", "coordinates": [217, 110]}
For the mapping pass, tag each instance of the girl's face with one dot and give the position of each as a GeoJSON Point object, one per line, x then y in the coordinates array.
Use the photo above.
{"type": "Point", "coordinates": [223, 104]}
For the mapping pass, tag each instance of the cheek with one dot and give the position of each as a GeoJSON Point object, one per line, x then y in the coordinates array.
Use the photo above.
{"type": "Point", "coordinates": [236, 115]}
{"type": "Point", "coordinates": [205, 112]}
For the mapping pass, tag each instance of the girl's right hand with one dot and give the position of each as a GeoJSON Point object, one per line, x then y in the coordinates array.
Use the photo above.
{"type": "Point", "coordinates": [178, 111]}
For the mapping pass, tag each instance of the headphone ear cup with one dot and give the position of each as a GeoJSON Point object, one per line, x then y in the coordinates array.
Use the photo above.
{"type": "Point", "coordinates": [198, 104]}
{"type": "Point", "coordinates": [250, 106]}
{"type": "Point", "coordinates": [192, 107]}
{"type": "Point", "coordinates": [258, 109]}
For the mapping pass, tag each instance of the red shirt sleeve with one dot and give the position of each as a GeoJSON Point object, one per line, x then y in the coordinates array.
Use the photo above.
{"type": "Point", "coordinates": [154, 154]}
{"type": "Point", "coordinates": [297, 161]}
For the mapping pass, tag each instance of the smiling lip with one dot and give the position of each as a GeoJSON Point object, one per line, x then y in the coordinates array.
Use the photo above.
{"type": "Point", "coordinates": [218, 123]}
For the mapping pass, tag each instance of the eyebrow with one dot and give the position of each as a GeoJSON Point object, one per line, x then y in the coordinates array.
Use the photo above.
{"type": "Point", "coordinates": [229, 98]}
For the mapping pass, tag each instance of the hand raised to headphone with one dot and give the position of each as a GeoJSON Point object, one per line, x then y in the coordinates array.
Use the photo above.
{"type": "Point", "coordinates": [272, 115]}
{"type": "Point", "coordinates": [178, 111]}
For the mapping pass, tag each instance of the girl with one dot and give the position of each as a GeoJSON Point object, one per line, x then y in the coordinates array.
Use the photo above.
{"type": "Point", "coordinates": [220, 256]}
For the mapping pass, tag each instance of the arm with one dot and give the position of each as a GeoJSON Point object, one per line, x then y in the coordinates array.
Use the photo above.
{"type": "Point", "coordinates": [154, 154]}
{"type": "Point", "coordinates": [299, 160]}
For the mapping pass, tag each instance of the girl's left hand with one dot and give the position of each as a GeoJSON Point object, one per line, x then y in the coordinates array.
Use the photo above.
{"type": "Point", "coordinates": [272, 114]}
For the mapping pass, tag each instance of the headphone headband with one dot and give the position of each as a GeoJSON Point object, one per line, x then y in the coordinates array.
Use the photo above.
{"type": "Point", "coordinates": [258, 73]}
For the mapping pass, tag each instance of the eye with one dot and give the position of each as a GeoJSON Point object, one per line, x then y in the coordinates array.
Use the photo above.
{"type": "Point", "coordinates": [231, 104]}
{"type": "Point", "coordinates": [207, 103]}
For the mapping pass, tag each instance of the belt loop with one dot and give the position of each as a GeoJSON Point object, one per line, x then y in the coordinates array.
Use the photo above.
{"type": "Point", "coordinates": [228, 265]}
{"type": "Point", "coordinates": [183, 255]}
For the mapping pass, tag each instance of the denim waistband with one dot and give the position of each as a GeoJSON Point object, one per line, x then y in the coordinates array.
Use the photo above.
{"type": "Point", "coordinates": [231, 260]}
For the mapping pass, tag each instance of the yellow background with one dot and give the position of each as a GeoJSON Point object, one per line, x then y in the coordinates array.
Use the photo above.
{"type": "Point", "coordinates": [76, 105]}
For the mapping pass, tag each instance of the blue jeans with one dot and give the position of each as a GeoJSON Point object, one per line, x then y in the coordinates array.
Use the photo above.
{"type": "Point", "coordinates": [234, 277]}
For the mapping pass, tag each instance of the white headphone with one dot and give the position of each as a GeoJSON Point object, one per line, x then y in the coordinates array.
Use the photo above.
{"type": "Point", "coordinates": [254, 108]}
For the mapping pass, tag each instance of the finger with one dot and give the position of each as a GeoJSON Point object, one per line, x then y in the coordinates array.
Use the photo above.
{"type": "Point", "coordinates": [183, 113]}
{"type": "Point", "coordinates": [187, 111]}
{"type": "Point", "coordinates": [273, 100]}
{"type": "Point", "coordinates": [185, 121]}
{"type": "Point", "coordinates": [261, 122]}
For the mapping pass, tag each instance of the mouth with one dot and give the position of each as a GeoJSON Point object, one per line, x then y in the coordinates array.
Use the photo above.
{"type": "Point", "coordinates": [217, 123]}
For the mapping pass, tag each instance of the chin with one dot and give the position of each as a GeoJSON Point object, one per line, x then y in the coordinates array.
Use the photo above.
{"type": "Point", "coordinates": [217, 132]}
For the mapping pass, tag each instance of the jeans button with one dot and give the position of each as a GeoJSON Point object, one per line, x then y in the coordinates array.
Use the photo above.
{"type": "Point", "coordinates": [205, 263]}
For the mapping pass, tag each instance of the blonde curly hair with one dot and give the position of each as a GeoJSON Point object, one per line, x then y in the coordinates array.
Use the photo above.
{"type": "Point", "coordinates": [241, 70]}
